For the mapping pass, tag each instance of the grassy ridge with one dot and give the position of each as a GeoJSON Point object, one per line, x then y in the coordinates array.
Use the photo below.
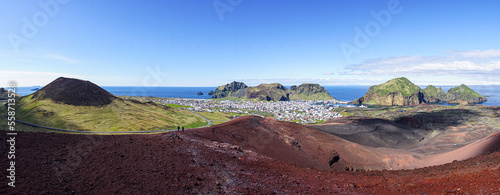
{"type": "Point", "coordinates": [463, 92]}
{"type": "Point", "coordinates": [120, 115]}
{"type": "Point", "coordinates": [402, 85]}
{"type": "Point", "coordinates": [432, 91]}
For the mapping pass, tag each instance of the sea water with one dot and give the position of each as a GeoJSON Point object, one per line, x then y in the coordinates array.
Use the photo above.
{"type": "Point", "coordinates": [343, 93]}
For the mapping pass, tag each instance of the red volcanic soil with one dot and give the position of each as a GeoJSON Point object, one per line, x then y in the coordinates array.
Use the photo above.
{"type": "Point", "coordinates": [221, 159]}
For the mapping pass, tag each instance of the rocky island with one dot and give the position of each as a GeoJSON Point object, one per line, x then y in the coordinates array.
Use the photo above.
{"type": "Point", "coordinates": [402, 92]}
{"type": "Point", "coordinates": [272, 92]}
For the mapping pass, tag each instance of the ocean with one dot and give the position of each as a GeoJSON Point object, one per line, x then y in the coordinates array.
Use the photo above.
{"type": "Point", "coordinates": [343, 93]}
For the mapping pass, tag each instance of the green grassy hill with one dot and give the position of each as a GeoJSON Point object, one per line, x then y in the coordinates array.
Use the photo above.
{"type": "Point", "coordinates": [402, 92]}
{"type": "Point", "coordinates": [74, 104]}
{"type": "Point", "coordinates": [401, 85]}
{"type": "Point", "coordinates": [268, 92]}
{"type": "Point", "coordinates": [119, 115]}
{"type": "Point", "coordinates": [433, 94]}
{"type": "Point", "coordinates": [272, 92]}
{"type": "Point", "coordinates": [309, 91]}
{"type": "Point", "coordinates": [463, 94]}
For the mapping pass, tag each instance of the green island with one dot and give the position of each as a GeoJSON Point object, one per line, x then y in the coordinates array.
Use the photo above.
{"type": "Point", "coordinates": [402, 92]}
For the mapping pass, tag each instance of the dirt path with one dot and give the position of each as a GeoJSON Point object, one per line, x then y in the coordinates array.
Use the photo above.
{"type": "Point", "coordinates": [209, 123]}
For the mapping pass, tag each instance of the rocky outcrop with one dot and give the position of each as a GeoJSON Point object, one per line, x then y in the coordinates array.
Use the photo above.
{"type": "Point", "coordinates": [210, 92]}
{"type": "Point", "coordinates": [228, 90]}
{"type": "Point", "coordinates": [433, 94]}
{"type": "Point", "coordinates": [268, 92]}
{"type": "Point", "coordinates": [402, 92]}
{"type": "Point", "coordinates": [464, 95]}
{"type": "Point", "coordinates": [273, 92]}
{"type": "Point", "coordinates": [395, 92]}
{"type": "Point", "coordinates": [199, 93]}
{"type": "Point", "coordinates": [309, 91]}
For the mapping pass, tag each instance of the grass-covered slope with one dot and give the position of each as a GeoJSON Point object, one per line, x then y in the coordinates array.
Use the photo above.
{"type": "Point", "coordinates": [309, 91]}
{"type": "Point", "coordinates": [463, 93]}
{"type": "Point", "coordinates": [433, 94]}
{"type": "Point", "coordinates": [75, 104]}
{"type": "Point", "coordinates": [271, 92]}
{"type": "Point", "coordinates": [398, 85]}
{"type": "Point", "coordinates": [402, 92]}
{"type": "Point", "coordinates": [268, 92]}
{"type": "Point", "coordinates": [228, 90]}
{"type": "Point", "coordinates": [119, 115]}
{"type": "Point", "coordinates": [395, 92]}
{"type": "Point", "coordinates": [4, 94]}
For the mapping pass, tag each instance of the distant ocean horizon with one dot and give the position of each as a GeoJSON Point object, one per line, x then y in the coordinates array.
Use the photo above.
{"type": "Point", "coordinates": [343, 93]}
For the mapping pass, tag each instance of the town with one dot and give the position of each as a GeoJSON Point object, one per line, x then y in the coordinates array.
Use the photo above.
{"type": "Point", "coordinates": [304, 112]}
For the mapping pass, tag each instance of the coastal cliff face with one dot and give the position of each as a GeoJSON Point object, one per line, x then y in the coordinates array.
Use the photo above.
{"type": "Point", "coordinates": [268, 92]}
{"type": "Point", "coordinates": [395, 92]}
{"type": "Point", "coordinates": [227, 90]}
{"type": "Point", "coordinates": [273, 92]}
{"type": "Point", "coordinates": [402, 92]}
{"type": "Point", "coordinates": [309, 91]}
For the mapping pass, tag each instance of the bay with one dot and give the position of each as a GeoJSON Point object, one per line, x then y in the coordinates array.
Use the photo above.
{"type": "Point", "coordinates": [343, 93]}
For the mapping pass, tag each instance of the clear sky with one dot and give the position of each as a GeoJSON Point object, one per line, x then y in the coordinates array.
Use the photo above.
{"type": "Point", "coordinates": [213, 42]}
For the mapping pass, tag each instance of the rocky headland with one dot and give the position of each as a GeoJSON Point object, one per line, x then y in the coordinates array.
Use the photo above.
{"type": "Point", "coordinates": [402, 92]}
{"type": "Point", "coordinates": [272, 92]}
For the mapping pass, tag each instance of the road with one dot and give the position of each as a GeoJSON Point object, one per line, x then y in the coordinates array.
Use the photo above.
{"type": "Point", "coordinates": [108, 132]}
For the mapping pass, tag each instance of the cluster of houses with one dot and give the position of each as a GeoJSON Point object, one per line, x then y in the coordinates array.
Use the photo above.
{"type": "Point", "coordinates": [297, 111]}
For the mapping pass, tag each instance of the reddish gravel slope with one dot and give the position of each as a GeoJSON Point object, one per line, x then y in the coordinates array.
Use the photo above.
{"type": "Point", "coordinates": [193, 163]}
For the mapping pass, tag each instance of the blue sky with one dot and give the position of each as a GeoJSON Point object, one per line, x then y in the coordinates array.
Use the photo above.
{"type": "Point", "coordinates": [213, 42]}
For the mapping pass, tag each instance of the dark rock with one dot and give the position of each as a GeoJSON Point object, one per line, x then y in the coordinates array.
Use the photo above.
{"type": "Point", "coordinates": [226, 90]}
{"type": "Point", "coordinates": [273, 92]}
{"type": "Point", "coordinates": [75, 92]}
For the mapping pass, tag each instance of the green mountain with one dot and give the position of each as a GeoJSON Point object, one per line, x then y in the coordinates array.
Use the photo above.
{"type": "Point", "coordinates": [402, 92]}
{"type": "Point", "coordinates": [309, 91]}
{"type": "Point", "coordinates": [433, 94]}
{"type": "Point", "coordinates": [463, 94]}
{"type": "Point", "coordinates": [268, 92]}
{"type": "Point", "coordinates": [272, 92]}
{"type": "Point", "coordinates": [74, 104]}
{"type": "Point", "coordinates": [395, 92]}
